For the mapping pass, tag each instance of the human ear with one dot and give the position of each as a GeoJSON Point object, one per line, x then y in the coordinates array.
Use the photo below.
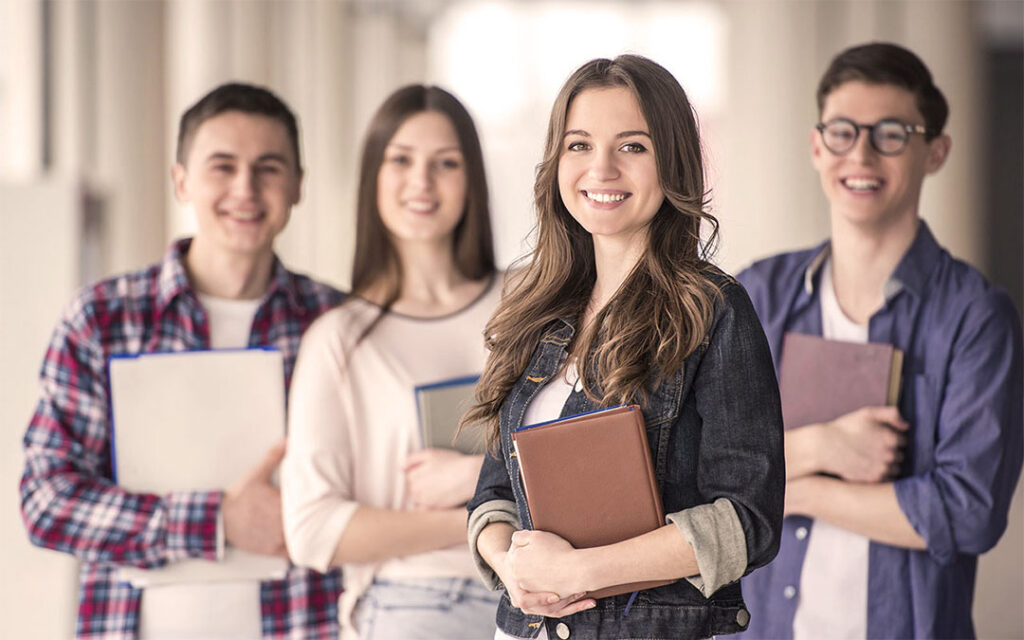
{"type": "Point", "coordinates": [179, 176]}
{"type": "Point", "coordinates": [297, 192]}
{"type": "Point", "coordinates": [938, 151]}
{"type": "Point", "coordinates": [816, 148]}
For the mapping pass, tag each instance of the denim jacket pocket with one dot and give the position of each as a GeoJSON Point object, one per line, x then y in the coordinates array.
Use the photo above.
{"type": "Point", "coordinates": [660, 412]}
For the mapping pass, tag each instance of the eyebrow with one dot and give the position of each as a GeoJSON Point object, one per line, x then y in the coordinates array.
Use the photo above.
{"type": "Point", "coordinates": [621, 134]}
{"type": "Point", "coordinates": [406, 147]}
{"type": "Point", "coordinates": [266, 157]}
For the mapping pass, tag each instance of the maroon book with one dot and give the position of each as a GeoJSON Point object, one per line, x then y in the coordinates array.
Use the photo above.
{"type": "Point", "coordinates": [822, 379]}
{"type": "Point", "coordinates": [589, 478]}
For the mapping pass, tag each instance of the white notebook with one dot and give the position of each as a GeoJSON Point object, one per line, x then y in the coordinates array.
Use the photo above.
{"type": "Point", "coordinates": [196, 420]}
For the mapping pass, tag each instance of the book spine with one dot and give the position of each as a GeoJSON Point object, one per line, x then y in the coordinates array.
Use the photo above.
{"type": "Point", "coordinates": [895, 377]}
{"type": "Point", "coordinates": [655, 493]}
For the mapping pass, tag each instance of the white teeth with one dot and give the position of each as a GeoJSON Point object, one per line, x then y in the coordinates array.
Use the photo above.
{"type": "Point", "coordinates": [420, 205]}
{"type": "Point", "coordinates": [606, 197]}
{"type": "Point", "coordinates": [862, 184]}
{"type": "Point", "coordinates": [244, 215]}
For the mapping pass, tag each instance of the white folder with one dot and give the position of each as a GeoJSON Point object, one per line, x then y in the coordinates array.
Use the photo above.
{"type": "Point", "coordinates": [196, 420]}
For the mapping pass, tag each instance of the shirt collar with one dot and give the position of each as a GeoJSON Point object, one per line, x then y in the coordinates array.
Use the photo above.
{"type": "Point", "coordinates": [917, 264]}
{"type": "Point", "coordinates": [562, 328]}
{"type": "Point", "coordinates": [173, 279]}
{"type": "Point", "coordinates": [911, 272]}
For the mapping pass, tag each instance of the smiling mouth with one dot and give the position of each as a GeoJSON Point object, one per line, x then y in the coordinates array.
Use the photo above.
{"type": "Point", "coordinates": [245, 216]}
{"type": "Point", "coordinates": [421, 206]}
{"type": "Point", "coordinates": [606, 198]}
{"type": "Point", "coordinates": [862, 185]}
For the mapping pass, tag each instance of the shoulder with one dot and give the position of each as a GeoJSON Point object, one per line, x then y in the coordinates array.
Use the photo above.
{"type": "Point", "coordinates": [102, 309]}
{"type": "Point", "coordinates": [782, 267]}
{"type": "Point", "coordinates": [776, 282]}
{"type": "Point", "coordinates": [315, 297]}
{"type": "Point", "coordinates": [339, 328]}
{"type": "Point", "coordinates": [966, 301]}
{"type": "Point", "coordinates": [730, 297]}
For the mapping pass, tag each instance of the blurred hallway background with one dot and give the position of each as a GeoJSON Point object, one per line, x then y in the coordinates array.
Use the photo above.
{"type": "Point", "coordinates": [91, 90]}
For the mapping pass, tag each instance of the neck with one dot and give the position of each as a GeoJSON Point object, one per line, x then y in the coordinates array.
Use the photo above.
{"type": "Point", "coordinates": [227, 275]}
{"type": "Point", "coordinates": [614, 259]}
{"type": "Point", "coordinates": [863, 258]}
{"type": "Point", "coordinates": [431, 283]}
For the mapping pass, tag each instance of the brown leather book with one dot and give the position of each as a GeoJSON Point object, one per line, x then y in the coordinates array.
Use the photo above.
{"type": "Point", "coordinates": [589, 479]}
{"type": "Point", "coordinates": [821, 379]}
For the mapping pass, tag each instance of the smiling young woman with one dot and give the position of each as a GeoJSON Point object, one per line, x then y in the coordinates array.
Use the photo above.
{"type": "Point", "coordinates": [620, 305]}
{"type": "Point", "coordinates": [358, 488]}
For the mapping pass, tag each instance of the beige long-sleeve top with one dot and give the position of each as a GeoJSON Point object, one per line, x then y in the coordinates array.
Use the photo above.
{"type": "Point", "coordinates": [352, 422]}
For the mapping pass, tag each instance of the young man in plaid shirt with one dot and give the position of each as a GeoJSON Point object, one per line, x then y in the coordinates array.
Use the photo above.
{"type": "Point", "coordinates": [238, 167]}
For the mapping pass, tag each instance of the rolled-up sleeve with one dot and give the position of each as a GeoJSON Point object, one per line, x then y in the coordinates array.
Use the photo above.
{"type": "Point", "coordinates": [960, 503]}
{"type": "Point", "coordinates": [715, 533]}
{"type": "Point", "coordinates": [486, 514]}
{"type": "Point", "coordinates": [493, 501]}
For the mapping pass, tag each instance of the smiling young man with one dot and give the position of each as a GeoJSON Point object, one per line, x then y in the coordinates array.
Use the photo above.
{"type": "Point", "coordinates": [239, 169]}
{"type": "Point", "coordinates": [888, 507]}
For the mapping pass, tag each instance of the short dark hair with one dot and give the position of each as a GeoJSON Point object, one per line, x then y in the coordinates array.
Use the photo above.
{"type": "Point", "coordinates": [236, 96]}
{"type": "Point", "coordinates": [886, 63]}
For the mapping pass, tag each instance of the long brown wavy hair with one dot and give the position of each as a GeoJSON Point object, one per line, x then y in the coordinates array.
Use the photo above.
{"type": "Point", "coordinates": [376, 258]}
{"type": "Point", "coordinates": [661, 312]}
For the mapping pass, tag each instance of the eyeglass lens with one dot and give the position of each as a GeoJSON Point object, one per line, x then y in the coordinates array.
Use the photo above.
{"type": "Point", "coordinates": [887, 136]}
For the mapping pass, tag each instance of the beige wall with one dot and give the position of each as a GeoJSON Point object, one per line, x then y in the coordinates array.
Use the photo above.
{"type": "Point", "coordinates": [39, 270]}
{"type": "Point", "coordinates": [124, 70]}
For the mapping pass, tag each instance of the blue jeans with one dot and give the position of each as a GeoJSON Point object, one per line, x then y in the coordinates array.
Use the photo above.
{"type": "Point", "coordinates": [426, 608]}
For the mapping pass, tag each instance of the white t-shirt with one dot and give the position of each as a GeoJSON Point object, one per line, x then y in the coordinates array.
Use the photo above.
{"type": "Point", "coordinates": [352, 422]}
{"type": "Point", "coordinates": [217, 610]}
{"type": "Point", "coordinates": [548, 403]}
{"type": "Point", "coordinates": [834, 579]}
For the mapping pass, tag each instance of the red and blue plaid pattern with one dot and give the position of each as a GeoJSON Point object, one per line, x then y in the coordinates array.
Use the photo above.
{"type": "Point", "coordinates": [69, 502]}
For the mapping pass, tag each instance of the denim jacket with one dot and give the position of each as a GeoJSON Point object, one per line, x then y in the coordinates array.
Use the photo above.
{"type": "Point", "coordinates": [715, 431]}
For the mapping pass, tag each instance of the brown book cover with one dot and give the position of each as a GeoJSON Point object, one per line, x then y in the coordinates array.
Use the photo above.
{"type": "Point", "coordinates": [589, 479]}
{"type": "Point", "coordinates": [822, 379]}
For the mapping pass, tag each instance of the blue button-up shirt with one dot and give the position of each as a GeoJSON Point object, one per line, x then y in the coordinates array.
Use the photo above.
{"type": "Point", "coordinates": [962, 394]}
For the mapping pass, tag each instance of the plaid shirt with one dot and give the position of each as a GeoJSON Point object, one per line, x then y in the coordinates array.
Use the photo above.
{"type": "Point", "coordinates": [68, 500]}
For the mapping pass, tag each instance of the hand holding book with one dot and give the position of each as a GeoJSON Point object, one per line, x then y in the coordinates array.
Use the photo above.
{"type": "Point", "coordinates": [251, 509]}
{"type": "Point", "coordinates": [838, 408]}
{"type": "Point", "coordinates": [440, 478]}
{"type": "Point", "coordinates": [540, 553]}
{"type": "Point", "coordinates": [865, 445]}
{"type": "Point", "coordinates": [496, 547]}
{"type": "Point", "coordinates": [590, 479]}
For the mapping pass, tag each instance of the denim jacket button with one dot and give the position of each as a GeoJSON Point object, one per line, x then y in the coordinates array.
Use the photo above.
{"type": "Point", "coordinates": [562, 630]}
{"type": "Point", "coordinates": [801, 533]}
{"type": "Point", "coordinates": [789, 592]}
{"type": "Point", "coordinates": [742, 618]}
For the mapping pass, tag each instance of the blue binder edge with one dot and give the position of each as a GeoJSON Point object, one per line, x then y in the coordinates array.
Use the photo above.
{"type": "Point", "coordinates": [441, 384]}
{"type": "Point", "coordinates": [576, 415]}
{"type": "Point", "coordinates": [135, 356]}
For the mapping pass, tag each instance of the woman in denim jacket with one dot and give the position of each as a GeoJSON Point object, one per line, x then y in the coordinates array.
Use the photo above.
{"type": "Point", "coordinates": [618, 305]}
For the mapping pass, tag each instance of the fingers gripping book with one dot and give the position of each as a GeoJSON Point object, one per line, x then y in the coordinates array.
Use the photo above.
{"type": "Point", "coordinates": [589, 479]}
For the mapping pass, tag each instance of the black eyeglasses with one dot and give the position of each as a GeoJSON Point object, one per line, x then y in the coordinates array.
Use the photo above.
{"type": "Point", "coordinates": [888, 137]}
